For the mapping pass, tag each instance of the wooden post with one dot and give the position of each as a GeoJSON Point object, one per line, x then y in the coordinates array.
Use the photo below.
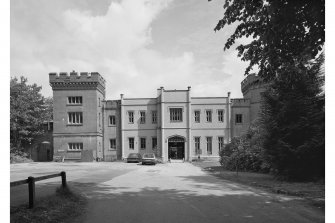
{"type": "Point", "coordinates": [31, 189]}
{"type": "Point", "coordinates": [63, 175]}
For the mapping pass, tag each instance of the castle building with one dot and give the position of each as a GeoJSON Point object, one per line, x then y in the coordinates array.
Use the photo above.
{"type": "Point", "coordinates": [173, 125]}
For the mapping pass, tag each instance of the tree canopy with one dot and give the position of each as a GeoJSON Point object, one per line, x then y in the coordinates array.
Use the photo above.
{"type": "Point", "coordinates": [285, 33]}
{"type": "Point", "coordinates": [287, 38]}
{"type": "Point", "coordinates": [28, 110]}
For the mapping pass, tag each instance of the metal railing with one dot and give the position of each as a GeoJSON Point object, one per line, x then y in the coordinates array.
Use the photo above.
{"type": "Point", "coordinates": [31, 184]}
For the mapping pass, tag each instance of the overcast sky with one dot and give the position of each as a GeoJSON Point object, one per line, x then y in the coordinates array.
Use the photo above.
{"type": "Point", "coordinates": [136, 45]}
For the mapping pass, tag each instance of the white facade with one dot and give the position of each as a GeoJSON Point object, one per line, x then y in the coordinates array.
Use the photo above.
{"type": "Point", "coordinates": [175, 132]}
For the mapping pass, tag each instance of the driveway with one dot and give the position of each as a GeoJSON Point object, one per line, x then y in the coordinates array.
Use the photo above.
{"type": "Point", "coordinates": [174, 192]}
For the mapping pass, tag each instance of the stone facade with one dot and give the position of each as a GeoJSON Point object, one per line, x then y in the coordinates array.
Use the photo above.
{"type": "Point", "coordinates": [173, 124]}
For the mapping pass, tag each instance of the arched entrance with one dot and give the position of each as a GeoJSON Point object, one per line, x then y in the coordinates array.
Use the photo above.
{"type": "Point", "coordinates": [176, 147]}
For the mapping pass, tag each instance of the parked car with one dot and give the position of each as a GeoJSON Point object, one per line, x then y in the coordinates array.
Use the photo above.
{"type": "Point", "coordinates": [134, 157]}
{"type": "Point", "coordinates": [149, 158]}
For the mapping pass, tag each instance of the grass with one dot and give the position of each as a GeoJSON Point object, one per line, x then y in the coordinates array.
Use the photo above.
{"type": "Point", "coordinates": [312, 192]}
{"type": "Point", "coordinates": [61, 207]}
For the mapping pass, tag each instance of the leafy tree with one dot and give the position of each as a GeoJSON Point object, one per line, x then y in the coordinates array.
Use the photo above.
{"type": "Point", "coordinates": [294, 122]}
{"type": "Point", "coordinates": [287, 37]}
{"type": "Point", "coordinates": [285, 33]}
{"type": "Point", "coordinates": [28, 110]}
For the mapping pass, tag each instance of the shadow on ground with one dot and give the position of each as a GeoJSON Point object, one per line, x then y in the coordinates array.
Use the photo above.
{"type": "Point", "coordinates": [203, 201]}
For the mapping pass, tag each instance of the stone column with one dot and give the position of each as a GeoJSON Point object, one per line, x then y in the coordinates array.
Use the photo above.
{"type": "Point", "coordinates": [164, 153]}
{"type": "Point", "coordinates": [189, 125]}
{"type": "Point", "coordinates": [229, 124]}
{"type": "Point", "coordinates": [122, 123]}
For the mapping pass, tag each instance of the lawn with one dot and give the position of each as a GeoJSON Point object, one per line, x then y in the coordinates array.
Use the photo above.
{"type": "Point", "coordinates": [312, 192]}
{"type": "Point", "coordinates": [61, 207]}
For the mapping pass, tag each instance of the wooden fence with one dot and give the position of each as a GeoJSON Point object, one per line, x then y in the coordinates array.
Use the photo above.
{"type": "Point", "coordinates": [31, 184]}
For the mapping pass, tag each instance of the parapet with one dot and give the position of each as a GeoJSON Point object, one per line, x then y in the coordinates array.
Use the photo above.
{"type": "Point", "coordinates": [249, 81]}
{"type": "Point", "coordinates": [63, 80]}
{"type": "Point", "coordinates": [240, 102]}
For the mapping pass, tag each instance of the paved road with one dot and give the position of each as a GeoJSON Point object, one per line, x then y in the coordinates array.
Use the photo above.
{"type": "Point", "coordinates": [176, 192]}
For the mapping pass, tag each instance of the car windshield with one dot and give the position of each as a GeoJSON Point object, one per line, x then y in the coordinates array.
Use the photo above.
{"type": "Point", "coordinates": [133, 155]}
{"type": "Point", "coordinates": [150, 155]}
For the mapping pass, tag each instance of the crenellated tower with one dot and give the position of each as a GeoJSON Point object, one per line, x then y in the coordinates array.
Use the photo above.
{"type": "Point", "coordinates": [78, 128]}
{"type": "Point", "coordinates": [252, 87]}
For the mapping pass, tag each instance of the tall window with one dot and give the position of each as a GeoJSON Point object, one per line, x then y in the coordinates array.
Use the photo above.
{"type": "Point", "coordinates": [112, 144]}
{"type": "Point", "coordinates": [154, 142]}
{"type": "Point", "coordinates": [99, 119]}
{"type": "Point", "coordinates": [142, 117]}
{"type": "Point", "coordinates": [75, 100]}
{"type": "Point", "coordinates": [143, 143]}
{"type": "Point", "coordinates": [208, 115]}
{"type": "Point", "coordinates": [131, 116]}
{"type": "Point", "coordinates": [209, 145]}
{"type": "Point", "coordinates": [75, 146]}
{"type": "Point", "coordinates": [238, 118]}
{"type": "Point", "coordinates": [176, 114]}
{"type": "Point", "coordinates": [220, 115]}
{"type": "Point", "coordinates": [220, 139]}
{"type": "Point", "coordinates": [112, 120]}
{"type": "Point", "coordinates": [197, 116]}
{"type": "Point", "coordinates": [131, 143]}
{"type": "Point", "coordinates": [154, 117]}
{"type": "Point", "coordinates": [197, 145]}
{"type": "Point", "coordinates": [75, 118]}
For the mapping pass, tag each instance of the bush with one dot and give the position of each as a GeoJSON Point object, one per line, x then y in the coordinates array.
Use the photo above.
{"type": "Point", "coordinates": [17, 156]}
{"type": "Point", "coordinates": [246, 152]}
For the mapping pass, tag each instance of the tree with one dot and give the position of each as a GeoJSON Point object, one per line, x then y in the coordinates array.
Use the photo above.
{"type": "Point", "coordinates": [287, 38]}
{"type": "Point", "coordinates": [285, 33]}
{"type": "Point", "coordinates": [28, 110]}
{"type": "Point", "coordinates": [294, 122]}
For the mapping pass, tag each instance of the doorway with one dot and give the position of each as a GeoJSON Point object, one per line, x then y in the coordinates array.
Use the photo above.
{"type": "Point", "coordinates": [176, 148]}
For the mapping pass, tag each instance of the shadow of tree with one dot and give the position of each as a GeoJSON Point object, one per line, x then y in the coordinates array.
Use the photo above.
{"type": "Point", "coordinates": [108, 203]}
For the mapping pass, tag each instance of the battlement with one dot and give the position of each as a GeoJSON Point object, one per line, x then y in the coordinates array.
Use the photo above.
{"type": "Point", "coordinates": [77, 77]}
{"type": "Point", "coordinates": [82, 80]}
{"type": "Point", "coordinates": [240, 102]}
{"type": "Point", "coordinates": [250, 80]}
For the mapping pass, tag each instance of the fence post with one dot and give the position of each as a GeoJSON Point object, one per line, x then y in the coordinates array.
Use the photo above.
{"type": "Point", "coordinates": [63, 175]}
{"type": "Point", "coordinates": [31, 189]}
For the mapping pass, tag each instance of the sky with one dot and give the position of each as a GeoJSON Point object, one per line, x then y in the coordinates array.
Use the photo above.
{"type": "Point", "coordinates": [136, 45]}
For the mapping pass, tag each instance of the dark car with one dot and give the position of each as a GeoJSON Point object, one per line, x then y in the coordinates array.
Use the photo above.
{"type": "Point", "coordinates": [134, 157]}
{"type": "Point", "coordinates": [149, 158]}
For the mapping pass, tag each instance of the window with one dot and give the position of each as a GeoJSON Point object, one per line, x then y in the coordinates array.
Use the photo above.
{"type": "Point", "coordinates": [75, 118]}
{"type": "Point", "coordinates": [176, 114]}
{"type": "Point", "coordinates": [75, 146]}
{"type": "Point", "coordinates": [220, 139]}
{"type": "Point", "coordinates": [99, 119]}
{"type": "Point", "coordinates": [197, 116]}
{"type": "Point", "coordinates": [197, 145]}
{"type": "Point", "coordinates": [131, 116]}
{"type": "Point", "coordinates": [238, 118]}
{"type": "Point", "coordinates": [208, 115]}
{"type": "Point", "coordinates": [154, 143]}
{"type": "Point", "coordinates": [99, 102]}
{"type": "Point", "coordinates": [131, 143]}
{"type": "Point", "coordinates": [209, 145]}
{"type": "Point", "coordinates": [142, 117]}
{"type": "Point", "coordinates": [220, 115]}
{"type": "Point", "coordinates": [143, 143]}
{"type": "Point", "coordinates": [154, 117]}
{"type": "Point", "coordinates": [112, 143]}
{"type": "Point", "coordinates": [76, 100]}
{"type": "Point", "coordinates": [112, 120]}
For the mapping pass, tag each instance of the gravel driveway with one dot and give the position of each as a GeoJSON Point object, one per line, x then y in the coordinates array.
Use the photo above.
{"type": "Point", "coordinates": [173, 192]}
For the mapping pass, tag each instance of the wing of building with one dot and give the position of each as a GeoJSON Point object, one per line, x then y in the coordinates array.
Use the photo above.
{"type": "Point", "coordinates": [173, 124]}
